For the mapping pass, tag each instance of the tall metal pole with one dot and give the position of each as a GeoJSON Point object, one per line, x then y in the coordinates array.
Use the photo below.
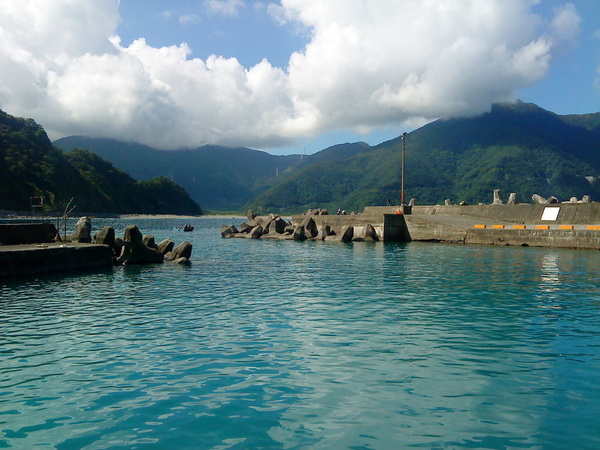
{"type": "Point", "coordinates": [403, 164]}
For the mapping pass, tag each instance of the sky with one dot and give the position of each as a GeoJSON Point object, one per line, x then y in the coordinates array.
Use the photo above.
{"type": "Point", "coordinates": [289, 76]}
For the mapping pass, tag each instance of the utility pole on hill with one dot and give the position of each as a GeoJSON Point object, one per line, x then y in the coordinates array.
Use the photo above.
{"type": "Point", "coordinates": [403, 165]}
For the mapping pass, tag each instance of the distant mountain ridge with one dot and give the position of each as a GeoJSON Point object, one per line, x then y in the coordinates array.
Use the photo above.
{"type": "Point", "coordinates": [519, 148]}
{"type": "Point", "coordinates": [31, 167]}
{"type": "Point", "coordinates": [516, 147]}
{"type": "Point", "coordinates": [219, 178]}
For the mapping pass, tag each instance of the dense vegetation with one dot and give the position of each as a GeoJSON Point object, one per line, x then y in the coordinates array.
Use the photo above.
{"type": "Point", "coordinates": [219, 178]}
{"type": "Point", "coordinates": [31, 167]}
{"type": "Point", "coordinates": [519, 148]}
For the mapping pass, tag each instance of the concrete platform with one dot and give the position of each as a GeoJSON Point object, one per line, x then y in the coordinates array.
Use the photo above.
{"type": "Point", "coordinates": [568, 225]}
{"type": "Point", "coordinates": [28, 259]}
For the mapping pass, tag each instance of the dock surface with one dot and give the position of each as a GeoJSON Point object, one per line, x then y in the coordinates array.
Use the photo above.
{"type": "Point", "coordinates": [28, 259]}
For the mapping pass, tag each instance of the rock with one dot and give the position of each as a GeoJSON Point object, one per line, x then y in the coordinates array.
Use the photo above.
{"type": "Point", "coordinates": [181, 261]}
{"type": "Point", "coordinates": [552, 199]}
{"type": "Point", "coordinates": [497, 197]}
{"type": "Point", "coordinates": [134, 250]}
{"type": "Point", "coordinates": [512, 199]}
{"type": "Point", "coordinates": [228, 231]}
{"type": "Point", "coordinates": [118, 247]}
{"type": "Point", "coordinates": [149, 242]}
{"type": "Point", "coordinates": [255, 233]}
{"type": "Point", "coordinates": [83, 231]}
{"type": "Point", "coordinates": [346, 235]}
{"type": "Point", "coordinates": [299, 233]}
{"type": "Point", "coordinates": [245, 227]}
{"type": "Point", "coordinates": [182, 251]}
{"type": "Point", "coordinates": [412, 202]}
{"type": "Point", "coordinates": [285, 237]}
{"type": "Point", "coordinates": [586, 199]}
{"type": "Point", "coordinates": [463, 203]}
{"type": "Point", "coordinates": [368, 234]}
{"type": "Point", "coordinates": [539, 199]}
{"type": "Point", "coordinates": [448, 202]}
{"type": "Point", "coordinates": [323, 233]}
{"type": "Point", "coordinates": [251, 216]}
{"type": "Point", "coordinates": [106, 236]}
{"type": "Point", "coordinates": [573, 200]}
{"type": "Point", "coordinates": [275, 225]}
{"type": "Point", "coordinates": [165, 246]}
{"type": "Point", "coordinates": [310, 227]}
{"type": "Point", "coordinates": [280, 225]}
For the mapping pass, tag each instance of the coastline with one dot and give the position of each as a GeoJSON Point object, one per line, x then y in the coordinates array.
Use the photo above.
{"type": "Point", "coordinates": [175, 216]}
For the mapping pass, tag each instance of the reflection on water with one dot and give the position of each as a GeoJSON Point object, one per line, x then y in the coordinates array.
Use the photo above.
{"type": "Point", "coordinates": [550, 282]}
{"type": "Point", "coordinates": [263, 344]}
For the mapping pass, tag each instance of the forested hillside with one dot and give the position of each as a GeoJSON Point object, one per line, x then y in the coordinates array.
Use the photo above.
{"type": "Point", "coordinates": [219, 178]}
{"type": "Point", "coordinates": [30, 167]}
{"type": "Point", "coordinates": [518, 147]}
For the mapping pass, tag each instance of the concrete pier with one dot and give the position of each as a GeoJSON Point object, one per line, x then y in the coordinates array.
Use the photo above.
{"type": "Point", "coordinates": [568, 225]}
{"type": "Point", "coordinates": [28, 259]}
{"type": "Point", "coordinates": [389, 227]}
{"type": "Point", "coordinates": [29, 248]}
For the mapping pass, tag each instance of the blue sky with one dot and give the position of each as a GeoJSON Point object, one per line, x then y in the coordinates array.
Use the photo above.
{"type": "Point", "coordinates": [289, 76]}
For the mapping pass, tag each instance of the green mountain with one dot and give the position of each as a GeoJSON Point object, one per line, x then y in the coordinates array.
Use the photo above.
{"type": "Point", "coordinates": [517, 148]}
{"type": "Point", "coordinates": [32, 167]}
{"type": "Point", "coordinates": [219, 178]}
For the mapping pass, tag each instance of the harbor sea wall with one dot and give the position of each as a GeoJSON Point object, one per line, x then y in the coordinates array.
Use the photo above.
{"type": "Point", "coordinates": [388, 226]}
{"type": "Point", "coordinates": [570, 225]}
{"type": "Point", "coordinates": [569, 213]}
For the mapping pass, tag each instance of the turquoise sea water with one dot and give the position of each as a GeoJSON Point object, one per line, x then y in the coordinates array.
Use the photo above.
{"type": "Point", "coordinates": [264, 344]}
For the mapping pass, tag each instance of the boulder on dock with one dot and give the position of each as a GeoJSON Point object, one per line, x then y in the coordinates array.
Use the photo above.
{"type": "Point", "coordinates": [106, 236]}
{"type": "Point", "coordinates": [83, 231]}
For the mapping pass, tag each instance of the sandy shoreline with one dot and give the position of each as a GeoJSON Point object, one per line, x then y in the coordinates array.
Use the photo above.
{"type": "Point", "coordinates": [127, 216]}
{"type": "Point", "coordinates": [174, 216]}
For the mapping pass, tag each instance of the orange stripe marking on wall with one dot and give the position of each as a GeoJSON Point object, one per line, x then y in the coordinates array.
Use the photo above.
{"type": "Point", "coordinates": [479, 226]}
{"type": "Point", "coordinates": [542, 227]}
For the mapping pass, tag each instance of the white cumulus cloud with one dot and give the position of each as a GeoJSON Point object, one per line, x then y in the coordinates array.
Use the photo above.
{"type": "Point", "coordinates": [224, 7]}
{"type": "Point", "coordinates": [367, 64]}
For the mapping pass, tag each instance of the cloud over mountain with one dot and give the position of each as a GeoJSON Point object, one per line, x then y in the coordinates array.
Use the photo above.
{"type": "Point", "coordinates": [366, 64]}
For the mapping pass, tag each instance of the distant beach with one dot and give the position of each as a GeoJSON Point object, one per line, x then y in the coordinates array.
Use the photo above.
{"type": "Point", "coordinates": [175, 216]}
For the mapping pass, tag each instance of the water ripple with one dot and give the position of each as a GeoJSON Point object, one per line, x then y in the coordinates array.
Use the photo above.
{"type": "Point", "coordinates": [293, 345]}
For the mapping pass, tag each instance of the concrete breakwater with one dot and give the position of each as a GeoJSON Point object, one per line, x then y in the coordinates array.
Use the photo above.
{"type": "Point", "coordinates": [319, 225]}
{"type": "Point", "coordinates": [569, 225]}
{"type": "Point", "coordinates": [36, 248]}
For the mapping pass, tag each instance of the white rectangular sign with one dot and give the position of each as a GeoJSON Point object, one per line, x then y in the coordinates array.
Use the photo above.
{"type": "Point", "coordinates": [550, 212]}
